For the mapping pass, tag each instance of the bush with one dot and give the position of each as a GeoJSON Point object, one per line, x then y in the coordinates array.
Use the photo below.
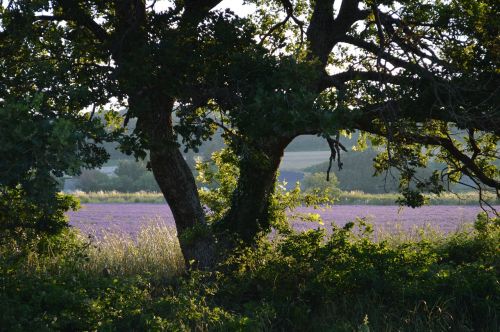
{"type": "Point", "coordinates": [23, 216]}
{"type": "Point", "coordinates": [65, 283]}
{"type": "Point", "coordinates": [310, 281]}
{"type": "Point", "coordinates": [93, 180]}
{"type": "Point", "coordinates": [317, 181]}
{"type": "Point", "coordinates": [41, 142]}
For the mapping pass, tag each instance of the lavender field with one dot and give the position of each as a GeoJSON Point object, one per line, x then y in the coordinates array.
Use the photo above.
{"type": "Point", "coordinates": [129, 218]}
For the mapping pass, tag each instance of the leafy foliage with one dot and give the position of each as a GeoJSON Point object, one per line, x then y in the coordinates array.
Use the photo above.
{"type": "Point", "coordinates": [44, 88]}
{"type": "Point", "coordinates": [23, 217]}
{"type": "Point", "coordinates": [402, 79]}
{"type": "Point", "coordinates": [309, 281]}
{"type": "Point", "coordinates": [218, 179]}
{"type": "Point", "coordinates": [317, 181]}
{"type": "Point", "coordinates": [411, 74]}
{"type": "Point", "coordinates": [357, 173]}
{"type": "Point", "coordinates": [343, 281]}
{"type": "Point", "coordinates": [38, 146]}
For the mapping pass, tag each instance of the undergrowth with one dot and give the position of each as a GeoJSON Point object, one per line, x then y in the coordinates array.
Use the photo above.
{"type": "Point", "coordinates": [309, 281]}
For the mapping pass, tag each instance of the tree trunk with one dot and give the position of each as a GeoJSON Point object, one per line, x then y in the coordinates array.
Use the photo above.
{"type": "Point", "coordinates": [249, 212]}
{"type": "Point", "coordinates": [178, 186]}
{"type": "Point", "coordinates": [151, 101]}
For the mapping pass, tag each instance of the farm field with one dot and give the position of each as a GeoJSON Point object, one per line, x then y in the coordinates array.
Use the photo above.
{"type": "Point", "coordinates": [130, 218]}
{"type": "Point", "coordinates": [296, 161]}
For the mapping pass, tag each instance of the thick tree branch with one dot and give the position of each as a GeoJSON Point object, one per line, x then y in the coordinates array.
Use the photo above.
{"type": "Point", "coordinates": [324, 31]}
{"type": "Point", "coordinates": [422, 111]}
{"type": "Point", "coordinates": [87, 23]}
{"type": "Point", "coordinates": [319, 31]}
{"type": "Point", "coordinates": [73, 12]}
{"type": "Point", "coordinates": [348, 14]}
{"type": "Point", "coordinates": [196, 10]}
{"type": "Point", "coordinates": [467, 161]}
{"type": "Point", "coordinates": [365, 122]}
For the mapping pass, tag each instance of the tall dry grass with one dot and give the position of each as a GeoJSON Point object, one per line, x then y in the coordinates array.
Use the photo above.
{"type": "Point", "coordinates": [154, 252]}
{"type": "Point", "coordinates": [119, 197]}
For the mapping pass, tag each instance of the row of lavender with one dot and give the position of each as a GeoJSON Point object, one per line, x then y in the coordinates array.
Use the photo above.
{"type": "Point", "coordinates": [130, 218]}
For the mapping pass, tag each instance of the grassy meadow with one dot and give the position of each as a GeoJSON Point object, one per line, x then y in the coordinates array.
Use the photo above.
{"type": "Point", "coordinates": [346, 281]}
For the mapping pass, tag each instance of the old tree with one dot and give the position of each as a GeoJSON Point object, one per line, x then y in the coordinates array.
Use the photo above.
{"type": "Point", "coordinates": [419, 77]}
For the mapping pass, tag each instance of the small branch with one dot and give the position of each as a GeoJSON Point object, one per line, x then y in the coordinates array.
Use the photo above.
{"type": "Point", "coordinates": [374, 49]}
{"type": "Point", "coordinates": [152, 5]}
{"type": "Point", "coordinates": [380, 32]}
{"type": "Point", "coordinates": [274, 28]}
{"type": "Point", "coordinates": [92, 112]}
{"type": "Point", "coordinates": [51, 18]}
{"type": "Point", "coordinates": [289, 9]}
{"type": "Point", "coordinates": [335, 147]}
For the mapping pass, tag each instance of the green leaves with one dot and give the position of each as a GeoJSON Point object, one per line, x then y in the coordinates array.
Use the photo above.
{"type": "Point", "coordinates": [39, 144]}
{"type": "Point", "coordinates": [50, 73]}
{"type": "Point", "coordinates": [218, 179]}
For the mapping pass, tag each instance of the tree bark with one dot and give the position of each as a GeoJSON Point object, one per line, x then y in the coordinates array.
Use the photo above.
{"type": "Point", "coordinates": [151, 101]}
{"type": "Point", "coordinates": [178, 186]}
{"type": "Point", "coordinates": [249, 212]}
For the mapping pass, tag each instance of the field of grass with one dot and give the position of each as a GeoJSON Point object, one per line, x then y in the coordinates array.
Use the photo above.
{"type": "Point", "coordinates": [345, 198]}
{"type": "Point", "coordinates": [297, 161]}
{"type": "Point", "coordinates": [306, 281]}
{"type": "Point", "coordinates": [119, 197]}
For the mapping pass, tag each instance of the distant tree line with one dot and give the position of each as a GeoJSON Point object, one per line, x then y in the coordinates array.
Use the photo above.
{"type": "Point", "coordinates": [358, 173]}
{"type": "Point", "coordinates": [129, 176]}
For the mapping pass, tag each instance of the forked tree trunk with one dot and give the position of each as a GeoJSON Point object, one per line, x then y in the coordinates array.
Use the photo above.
{"type": "Point", "coordinates": [249, 212]}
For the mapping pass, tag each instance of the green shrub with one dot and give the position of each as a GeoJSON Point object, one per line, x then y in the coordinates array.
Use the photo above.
{"type": "Point", "coordinates": [310, 281]}
{"type": "Point", "coordinates": [318, 181]}
{"type": "Point", "coordinates": [41, 142]}
{"type": "Point", "coordinates": [23, 216]}
{"type": "Point", "coordinates": [345, 281]}
{"type": "Point", "coordinates": [65, 283]}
